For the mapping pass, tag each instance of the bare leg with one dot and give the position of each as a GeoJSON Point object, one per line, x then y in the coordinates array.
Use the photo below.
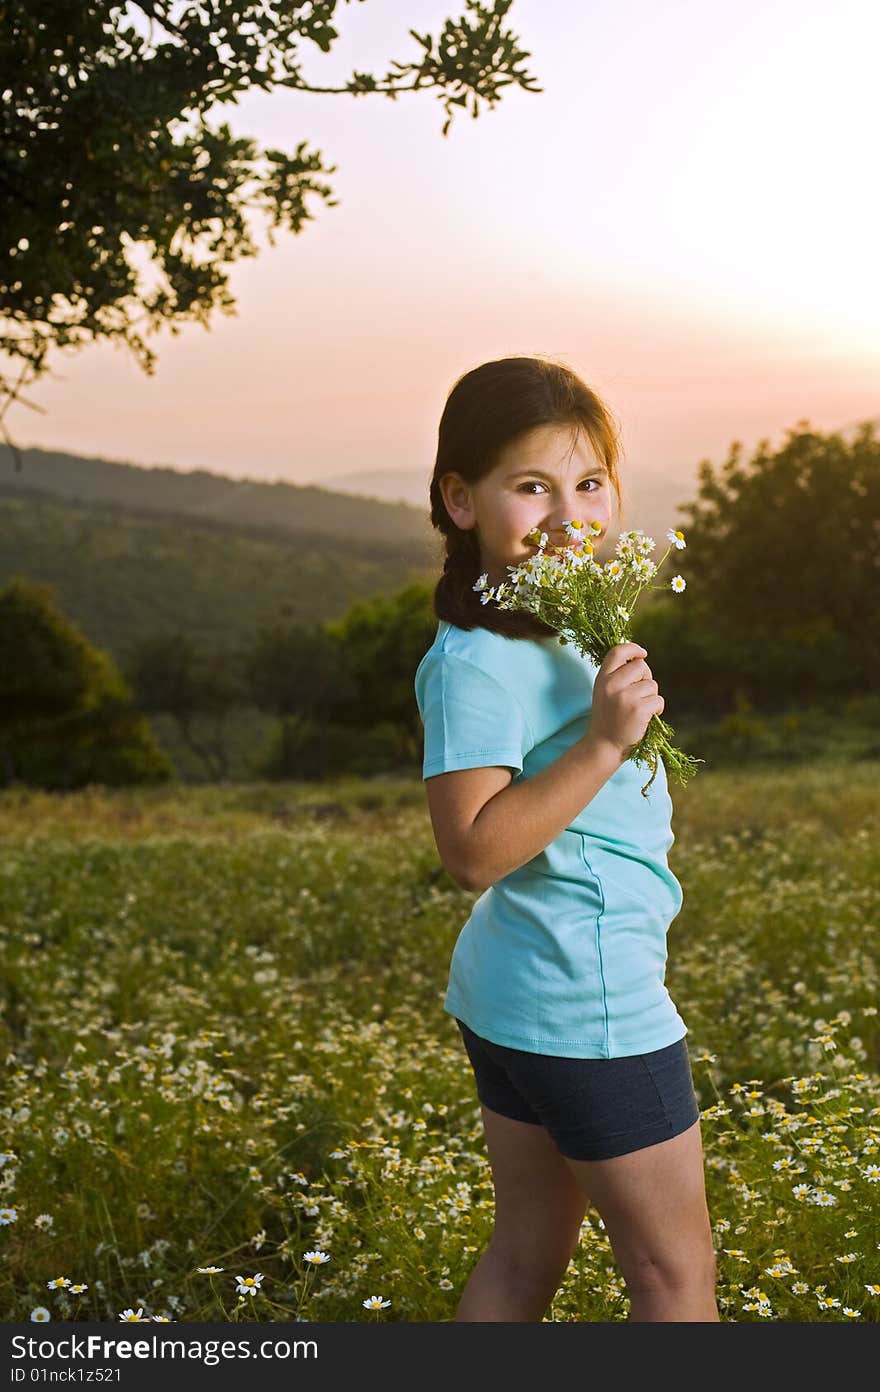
{"type": "Point", "coordinates": [539, 1207]}
{"type": "Point", "coordinates": [653, 1204]}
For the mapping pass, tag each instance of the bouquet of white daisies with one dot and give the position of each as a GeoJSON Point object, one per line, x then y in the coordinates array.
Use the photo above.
{"type": "Point", "coordinates": [591, 606]}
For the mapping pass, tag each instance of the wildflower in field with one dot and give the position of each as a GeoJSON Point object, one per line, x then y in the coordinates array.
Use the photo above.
{"type": "Point", "coordinates": [210, 1270]}
{"type": "Point", "coordinates": [800, 1288]}
{"type": "Point", "coordinates": [375, 1302]}
{"type": "Point", "coordinates": [317, 1258]}
{"type": "Point", "coordinates": [445, 1284]}
{"type": "Point", "coordinates": [591, 606]}
{"type": "Point", "coordinates": [44, 1221]}
{"type": "Point", "coordinates": [872, 1173]}
{"type": "Point", "coordinates": [875, 1290]}
{"type": "Point", "coordinates": [823, 1199]}
{"type": "Point", "coordinates": [78, 1288]}
{"type": "Point", "coordinates": [57, 1283]}
{"type": "Point", "coordinates": [161, 1319]}
{"type": "Point", "coordinates": [677, 539]}
{"type": "Point", "coordinates": [848, 1257]}
{"type": "Point", "coordinates": [828, 1302]}
{"type": "Point", "coordinates": [40, 1315]}
{"type": "Point", "coordinates": [8, 1215]}
{"type": "Point", "coordinates": [134, 1316]}
{"type": "Point", "coordinates": [249, 1285]}
{"type": "Point", "coordinates": [763, 1307]}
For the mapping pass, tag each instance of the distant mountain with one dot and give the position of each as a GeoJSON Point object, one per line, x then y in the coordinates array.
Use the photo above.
{"type": "Point", "coordinates": [130, 550]}
{"type": "Point", "coordinates": [389, 485]}
{"type": "Point", "coordinates": [123, 576]}
{"type": "Point", "coordinates": [216, 500]}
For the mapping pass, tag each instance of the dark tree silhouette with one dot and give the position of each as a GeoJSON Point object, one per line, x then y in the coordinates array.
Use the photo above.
{"type": "Point", "coordinates": [122, 208]}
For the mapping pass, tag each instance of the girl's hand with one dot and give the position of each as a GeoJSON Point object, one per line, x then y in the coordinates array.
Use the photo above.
{"type": "Point", "coordinates": [625, 696]}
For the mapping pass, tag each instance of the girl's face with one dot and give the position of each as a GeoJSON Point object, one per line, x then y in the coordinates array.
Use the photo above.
{"type": "Point", "coordinates": [549, 476]}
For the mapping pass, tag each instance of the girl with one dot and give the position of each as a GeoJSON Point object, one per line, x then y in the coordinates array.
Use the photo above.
{"type": "Point", "coordinates": [557, 978]}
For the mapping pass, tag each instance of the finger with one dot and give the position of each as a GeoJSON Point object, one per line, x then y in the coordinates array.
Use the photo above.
{"type": "Point", "coordinates": [621, 654]}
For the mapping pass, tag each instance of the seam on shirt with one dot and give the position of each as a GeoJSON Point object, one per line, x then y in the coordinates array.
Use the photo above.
{"type": "Point", "coordinates": [503, 689]}
{"type": "Point", "coordinates": [479, 753]}
{"type": "Point", "coordinates": [607, 1041]}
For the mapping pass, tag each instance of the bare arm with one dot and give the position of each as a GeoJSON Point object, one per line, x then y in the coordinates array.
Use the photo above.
{"type": "Point", "coordinates": [519, 822]}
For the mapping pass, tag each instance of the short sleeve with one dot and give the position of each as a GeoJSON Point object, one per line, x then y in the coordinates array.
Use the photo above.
{"type": "Point", "coordinates": [470, 720]}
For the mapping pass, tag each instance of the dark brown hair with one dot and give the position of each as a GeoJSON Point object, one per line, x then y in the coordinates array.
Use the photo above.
{"type": "Point", "coordinates": [486, 409]}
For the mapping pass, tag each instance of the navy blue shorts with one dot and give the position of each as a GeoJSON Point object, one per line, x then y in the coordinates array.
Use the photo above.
{"type": "Point", "coordinates": [593, 1108]}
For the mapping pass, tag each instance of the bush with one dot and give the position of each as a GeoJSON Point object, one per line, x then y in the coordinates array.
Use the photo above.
{"type": "Point", "coordinates": [311, 750]}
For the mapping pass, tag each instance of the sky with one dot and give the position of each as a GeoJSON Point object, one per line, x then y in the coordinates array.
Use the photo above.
{"type": "Point", "coordinates": [686, 215]}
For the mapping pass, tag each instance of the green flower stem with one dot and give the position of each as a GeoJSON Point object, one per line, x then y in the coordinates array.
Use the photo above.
{"type": "Point", "coordinates": [656, 743]}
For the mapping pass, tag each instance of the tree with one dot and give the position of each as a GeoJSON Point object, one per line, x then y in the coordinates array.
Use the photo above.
{"type": "Point", "coordinates": [196, 688]}
{"type": "Point", "coordinates": [122, 207]}
{"type": "Point", "coordinates": [66, 715]}
{"type": "Point", "coordinates": [782, 561]}
{"type": "Point", "coordinates": [294, 669]}
{"type": "Point", "coordinates": [384, 640]}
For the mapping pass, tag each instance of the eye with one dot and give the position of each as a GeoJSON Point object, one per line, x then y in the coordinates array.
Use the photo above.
{"type": "Point", "coordinates": [532, 482]}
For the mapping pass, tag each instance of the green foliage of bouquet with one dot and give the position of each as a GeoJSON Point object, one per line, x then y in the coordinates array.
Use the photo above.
{"type": "Point", "coordinates": [591, 606]}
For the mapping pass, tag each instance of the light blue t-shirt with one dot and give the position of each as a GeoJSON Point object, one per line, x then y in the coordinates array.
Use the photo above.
{"type": "Point", "coordinates": [567, 954]}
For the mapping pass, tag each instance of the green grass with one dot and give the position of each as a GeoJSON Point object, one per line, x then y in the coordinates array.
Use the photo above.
{"type": "Point", "coordinates": [222, 1024]}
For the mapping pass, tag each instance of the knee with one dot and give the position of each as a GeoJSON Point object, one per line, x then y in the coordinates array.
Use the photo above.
{"type": "Point", "coordinates": [694, 1269]}
{"type": "Point", "coordinates": [524, 1264]}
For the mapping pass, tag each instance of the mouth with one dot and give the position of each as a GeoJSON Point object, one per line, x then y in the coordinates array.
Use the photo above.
{"type": "Point", "coordinates": [563, 545]}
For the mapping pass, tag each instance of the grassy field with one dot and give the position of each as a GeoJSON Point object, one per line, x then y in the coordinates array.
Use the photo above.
{"type": "Point", "coordinates": [224, 1047]}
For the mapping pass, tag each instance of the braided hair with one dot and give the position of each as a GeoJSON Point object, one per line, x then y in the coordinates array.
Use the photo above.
{"type": "Point", "coordinates": [486, 409]}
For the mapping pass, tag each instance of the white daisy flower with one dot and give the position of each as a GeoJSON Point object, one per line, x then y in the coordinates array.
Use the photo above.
{"type": "Point", "coordinates": [375, 1302]}
{"type": "Point", "coordinates": [210, 1270]}
{"type": "Point", "coordinates": [40, 1315]}
{"type": "Point", "coordinates": [317, 1258]}
{"type": "Point", "coordinates": [134, 1316]}
{"type": "Point", "coordinates": [249, 1285]}
{"type": "Point", "coordinates": [8, 1215]}
{"type": "Point", "coordinates": [78, 1288]}
{"type": "Point", "coordinates": [57, 1283]}
{"type": "Point", "coordinates": [677, 539]}
{"type": "Point", "coordinates": [677, 584]}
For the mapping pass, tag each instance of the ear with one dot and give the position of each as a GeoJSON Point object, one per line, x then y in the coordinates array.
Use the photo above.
{"type": "Point", "coordinates": [458, 499]}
